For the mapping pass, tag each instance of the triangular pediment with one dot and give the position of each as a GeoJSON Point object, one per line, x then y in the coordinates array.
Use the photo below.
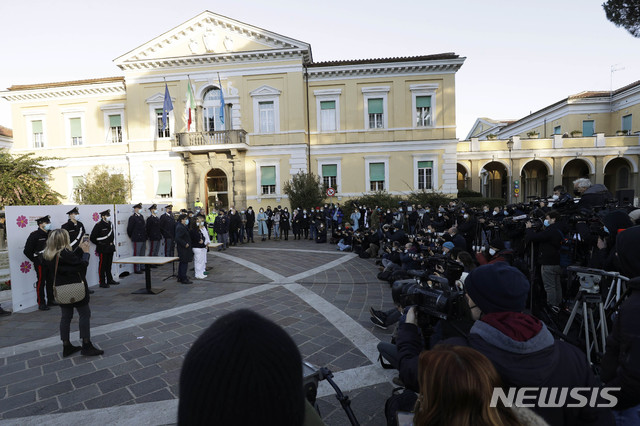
{"type": "Point", "coordinates": [210, 34]}
{"type": "Point", "coordinates": [265, 91]}
{"type": "Point", "coordinates": [158, 98]}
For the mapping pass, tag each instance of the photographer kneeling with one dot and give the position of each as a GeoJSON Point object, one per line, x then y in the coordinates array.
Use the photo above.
{"type": "Point", "coordinates": [519, 345]}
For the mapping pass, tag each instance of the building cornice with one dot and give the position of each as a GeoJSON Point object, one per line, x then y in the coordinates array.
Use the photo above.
{"type": "Point", "coordinates": [374, 69]}
{"type": "Point", "coordinates": [116, 88]}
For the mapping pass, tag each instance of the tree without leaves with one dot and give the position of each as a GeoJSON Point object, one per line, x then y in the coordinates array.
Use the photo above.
{"type": "Point", "coordinates": [103, 186]}
{"type": "Point", "coordinates": [624, 13]}
{"type": "Point", "coordinates": [304, 190]}
{"type": "Point", "coordinates": [23, 180]}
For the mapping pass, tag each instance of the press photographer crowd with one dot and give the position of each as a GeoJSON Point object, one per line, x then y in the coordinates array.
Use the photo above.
{"type": "Point", "coordinates": [519, 314]}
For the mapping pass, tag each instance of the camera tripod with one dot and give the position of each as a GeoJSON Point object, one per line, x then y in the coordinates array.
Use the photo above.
{"type": "Point", "coordinates": [589, 301]}
{"type": "Point", "coordinates": [311, 376]}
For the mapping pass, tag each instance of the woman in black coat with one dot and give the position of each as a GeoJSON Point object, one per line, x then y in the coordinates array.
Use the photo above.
{"type": "Point", "coordinates": [185, 252]}
{"type": "Point", "coordinates": [71, 268]}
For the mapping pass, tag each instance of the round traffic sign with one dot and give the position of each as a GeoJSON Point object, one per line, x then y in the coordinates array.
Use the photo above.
{"type": "Point", "coordinates": [331, 192]}
{"type": "Point", "coordinates": [517, 191]}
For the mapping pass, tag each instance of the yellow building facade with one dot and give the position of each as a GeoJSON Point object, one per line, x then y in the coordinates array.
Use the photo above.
{"type": "Point", "coordinates": [261, 111]}
{"type": "Point", "coordinates": [591, 134]}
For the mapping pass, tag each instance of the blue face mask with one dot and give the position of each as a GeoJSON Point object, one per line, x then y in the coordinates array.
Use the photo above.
{"type": "Point", "coordinates": [47, 227]}
{"type": "Point", "coordinates": [186, 222]}
{"type": "Point", "coordinates": [606, 229]}
{"type": "Point", "coordinates": [546, 222]}
{"type": "Point", "coordinates": [506, 213]}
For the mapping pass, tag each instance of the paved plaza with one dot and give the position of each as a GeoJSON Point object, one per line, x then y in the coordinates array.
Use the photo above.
{"type": "Point", "coordinates": [320, 296]}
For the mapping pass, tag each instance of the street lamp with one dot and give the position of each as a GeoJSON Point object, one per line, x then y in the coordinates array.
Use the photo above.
{"type": "Point", "coordinates": [510, 147]}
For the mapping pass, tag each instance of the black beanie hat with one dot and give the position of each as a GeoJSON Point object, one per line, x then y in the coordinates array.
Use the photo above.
{"type": "Point", "coordinates": [497, 287]}
{"type": "Point", "coordinates": [628, 253]}
{"type": "Point", "coordinates": [243, 370]}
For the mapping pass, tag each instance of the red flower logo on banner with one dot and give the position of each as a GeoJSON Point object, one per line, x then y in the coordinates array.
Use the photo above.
{"type": "Point", "coordinates": [22, 221]}
{"type": "Point", "coordinates": [96, 217]}
{"type": "Point", "coordinates": [25, 267]}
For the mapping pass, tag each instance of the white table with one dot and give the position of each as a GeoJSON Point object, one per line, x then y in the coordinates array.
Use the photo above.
{"type": "Point", "coordinates": [147, 261]}
{"type": "Point", "coordinates": [214, 245]}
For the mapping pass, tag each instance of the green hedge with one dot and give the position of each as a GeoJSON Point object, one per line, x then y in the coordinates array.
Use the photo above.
{"type": "Point", "coordinates": [467, 193]}
{"type": "Point", "coordinates": [481, 201]}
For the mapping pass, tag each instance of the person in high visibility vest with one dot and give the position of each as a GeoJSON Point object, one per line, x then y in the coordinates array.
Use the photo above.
{"type": "Point", "coordinates": [211, 217]}
{"type": "Point", "coordinates": [198, 206]}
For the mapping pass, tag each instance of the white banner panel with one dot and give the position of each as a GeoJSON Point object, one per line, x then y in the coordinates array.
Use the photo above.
{"type": "Point", "coordinates": [20, 222]}
{"type": "Point", "coordinates": [124, 246]}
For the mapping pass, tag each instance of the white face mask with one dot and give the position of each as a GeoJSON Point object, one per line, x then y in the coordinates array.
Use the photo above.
{"type": "Point", "coordinates": [186, 222]}
{"type": "Point", "coordinates": [75, 216]}
{"type": "Point", "coordinates": [466, 216]}
{"type": "Point", "coordinates": [492, 251]}
{"type": "Point", "coordinates": [555, 197]}
{"type": "Point", "coordinates": [155, 212]}
{"type": "Point", "coordinates": [107, 218]}
{"type": "Point", "coordinates": [495, 213]}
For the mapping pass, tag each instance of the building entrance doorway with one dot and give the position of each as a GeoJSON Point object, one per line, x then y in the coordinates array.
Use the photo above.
{"type": "Point", "coordinates": [217, 190]}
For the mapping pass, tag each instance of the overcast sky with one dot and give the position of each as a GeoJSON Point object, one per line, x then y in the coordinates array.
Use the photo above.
{"type": "Point", "coordinates": [521, 56]}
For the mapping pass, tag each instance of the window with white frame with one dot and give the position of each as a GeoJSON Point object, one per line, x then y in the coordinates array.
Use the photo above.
{"type": "Point", "coordinates": [375, 107]}
{"type": "Point", "coordinates": [423, 111]}
{"type": "Point", "coordinates": [37, 133]}
{"type": "Point", "coordinates": [266, 111]}
{"type": "Point", "coordinates": [328, 116]}
{"type": "Point", "coordinates": [166, 132]}
{"type": "Point", "coordinates": [375, 112]}
{"type": "Point", "coordinates": [588, 128]}
{"type": "Point", "coordinates": [377, 177]}
{"type": "Point", "coordinates": [75, 194]}
{"type": "Point", "coordinates": [164, 189]}
{"type": "Point", "coordinates": [75, 131]}
{"type": "Point", "coordinates": [330, 176]}
{"type": "Point", "coordinates": [626, 123]}
{"type": "Point", "coordinates": [425, 174]}
{"type": "Point", "coordinates": [423, 102]}
{"type": "Point", "coordinates": [115, 128]}
{"type": "Point", "coordinates": [267, 180]}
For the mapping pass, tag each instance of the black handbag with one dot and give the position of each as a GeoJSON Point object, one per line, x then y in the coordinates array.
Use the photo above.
{"type": "Point", "coordinates": [67, 294]}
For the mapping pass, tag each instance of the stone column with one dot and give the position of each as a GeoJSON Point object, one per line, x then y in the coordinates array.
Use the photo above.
{"type": "Point", "coordinates": [599, 176]}
{"type": "Point", "coordinates": [238, 179]}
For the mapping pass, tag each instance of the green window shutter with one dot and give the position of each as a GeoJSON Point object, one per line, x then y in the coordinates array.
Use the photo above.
{"type": "Point", "coordinates": [423, 101]}
{"type": "Point", "coordinates": [328, 105]}
{"type": "Point", "coordinates": [557, 130]}
{"type": "Point", "coordinates": [425, 164]}
{"type": "Point", "coordinates": [376, 171]}
{"type": "Point", "coordinates": [588, 128]}
{"type": "Point", "coordinates": [626, 122]}
{"type": "Point", "coordinates": [76, 127]}
{"type": "Point", "coordinates": [36, 126]}
{"type": "Point", "coordinates": [76, 181]}
{"type": "Point", "coordinates": [115, 121]}
{"type": "Point", "coordinates": [159, 111]}
{"type": "Point", "coordinates": [164, 182]}
{"type": "Point", "coordinates": [329, 170]}
{"type": "Point", "coordinates": [375, 106]}
{"type": "Point", "coordinates": [268, 175]}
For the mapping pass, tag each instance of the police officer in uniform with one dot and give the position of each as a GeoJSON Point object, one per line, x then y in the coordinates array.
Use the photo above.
{"type": "Point", "coordinates": [103, 238]}
{"type": "Point", "coordinates": [33, 249]}
{"type": "Point", "coordinates": [75, 228]}
{"type": "Point", "coordinates": [168, 229]}
{"type": "Point", "coordinates": [153, 231]}
{"type": "Point", "coordinates": [137, 232]}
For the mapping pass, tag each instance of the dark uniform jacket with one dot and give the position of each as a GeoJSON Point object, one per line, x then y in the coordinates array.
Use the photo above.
{"type": "Point", "coordinates": [251, 218]}
{"type": "Point", "coordinates": [153, 228]}
{"type": "Point", "coordinates": [136, 228]}
{"type": "Point", "coordinates": [76, 231]}
{"type": "Point", "coordinates": [183, 242]}
{"type": "Point", "coordinates": [102, 237]}
{"type": "Point", "coordinates": [35, 245]}
{"type": "Point", "coordinates": [234, 222]}
{"type": "Point", "coordinates": [196, 236]}
{"type": "Point", "coordinates": [167, 225]}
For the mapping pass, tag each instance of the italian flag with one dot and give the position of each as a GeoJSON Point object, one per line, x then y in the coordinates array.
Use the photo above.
{"type": "Point", "coordinates": [191, 105]}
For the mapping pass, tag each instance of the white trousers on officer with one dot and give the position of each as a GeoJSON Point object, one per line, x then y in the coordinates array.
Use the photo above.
{"type": "Point", "coordinates": [199, 261]}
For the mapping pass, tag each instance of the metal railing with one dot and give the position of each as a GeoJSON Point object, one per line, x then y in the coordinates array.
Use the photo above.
{"type": "Point", "coordinates": [224, 137]}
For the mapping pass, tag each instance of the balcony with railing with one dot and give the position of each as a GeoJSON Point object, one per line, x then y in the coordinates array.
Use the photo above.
{"type": "Point", "coordinates": [196, 141]}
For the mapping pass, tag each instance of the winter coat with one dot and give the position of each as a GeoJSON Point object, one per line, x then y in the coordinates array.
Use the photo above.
{"type": "Point", "coordinates": [539, 361]}
{"type": "Point", "coordinates": [183, 243]}
{"type": "Point", "coordinates": [549, 247]}
{"type": "Point", "coordinates": [72, 267]}
{"type": "Point", "coordinates": [251, 218]}
{"type": "Point", "coordinates": [167, 226]}
{"type": "Point", "coordinates": [621, 361]}
{"type": "Point", "coordinates": [355, 218]}
{"type": "Point", "coordinates": [234, 222]}
{"type": "Point", "coordinates": [262, 223]}
{"type": "Point", "coordinates": [102, 236]}
{"type": "Point", "coordinates": [153, 228]}
{"type": "Point", "coordinates": [221, 224]}
{"type": "Point", "coordinates": [284, 221]}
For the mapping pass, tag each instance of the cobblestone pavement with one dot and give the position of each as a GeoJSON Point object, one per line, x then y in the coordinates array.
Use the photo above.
{"type": "Point", "coordinates": [318, 295]}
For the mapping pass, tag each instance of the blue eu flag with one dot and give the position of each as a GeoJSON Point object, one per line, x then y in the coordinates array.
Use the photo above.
{"type": "Point", "coordinates": [168, 106]}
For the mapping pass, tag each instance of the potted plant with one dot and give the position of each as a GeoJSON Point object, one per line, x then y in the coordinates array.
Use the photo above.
{"type": "Point", "coordinates": [622, 132]}
{"type": "Point", "coordinates": [576, 133]}
{"type": "Point", "coordinates": [492, 136]}
{"type": "Point", "coordinates": [533, 134]}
